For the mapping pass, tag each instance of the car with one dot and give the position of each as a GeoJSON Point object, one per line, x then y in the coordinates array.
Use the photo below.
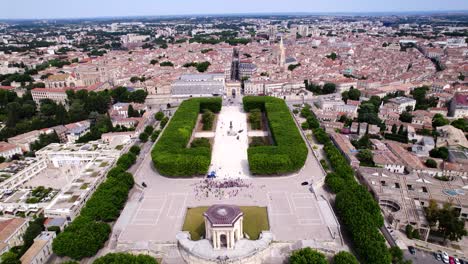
{"type": "Point", "coordinates": [144, 184]}
{"type": "Point", "coordinates": [437, 256]}
{"type": "Point", "coordinates": [451, 260]}
{"type": "Point", "coordinates": [412, 250]}
{"type": "Point", "coordinates": [444, 255]}
{"type": "Point", "coordinates": [457, 261]}
{"type": "Point", "coordinates": [304, 183]}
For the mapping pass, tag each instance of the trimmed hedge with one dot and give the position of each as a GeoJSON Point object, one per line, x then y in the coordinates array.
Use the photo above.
{"type": "Point", "coordinates": [170, 155]}
{"type": "Point", "coordinates": [289, 152]}
{"type": "Point", "coordinates": [355, 206]}
{"type": "Point", "coordinates": [125, 258]}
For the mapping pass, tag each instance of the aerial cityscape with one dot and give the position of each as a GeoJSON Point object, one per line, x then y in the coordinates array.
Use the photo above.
{"type": "Point", "coordinates": [205, 132]}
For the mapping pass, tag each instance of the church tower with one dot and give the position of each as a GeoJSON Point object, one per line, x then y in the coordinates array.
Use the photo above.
{"type": "Point", "coordinates": [282, 55]}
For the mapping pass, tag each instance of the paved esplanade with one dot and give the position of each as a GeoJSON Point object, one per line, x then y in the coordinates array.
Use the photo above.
{"type": "Point", "coordinates": [229, 157]}
{"type": "Point", "coordinates": [154, 215]}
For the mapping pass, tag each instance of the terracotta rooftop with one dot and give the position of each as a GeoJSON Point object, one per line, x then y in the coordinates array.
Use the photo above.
{"type": "Point", "coordinates": [8, 227]}
{"type": "Point", "coordinates": [223, 215]}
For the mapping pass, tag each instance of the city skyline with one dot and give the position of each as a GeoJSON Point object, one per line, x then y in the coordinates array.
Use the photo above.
{"type": "Point", "coordinates": [49, 9]}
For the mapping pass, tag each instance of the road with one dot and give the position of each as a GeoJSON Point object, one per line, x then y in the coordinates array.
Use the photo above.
{"type": "Point", "coordinates": [421, 257]}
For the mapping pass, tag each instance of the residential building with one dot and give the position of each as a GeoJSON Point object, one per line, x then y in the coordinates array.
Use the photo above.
{"type": "Point", "coordinates": [41, 250]}
{"type": "Point", "coordinates": [11, 232]}
{"type": "Point", "coordinates": [459, 105]}
{"type": "Point", "coordinates": [8, 150]}
{"type": "Point", "coordinates": [57, 95]}
{"type": "Point", "coordinates": [77, 130]}
{"type": "Point", "coordinates": [402, 103]}
{"type": "Point", "coordinates": [346, 148]}
{"type": "Point", "coordinates": [450, 136]}
{"type": "Point", "coordinates": [383, 157]}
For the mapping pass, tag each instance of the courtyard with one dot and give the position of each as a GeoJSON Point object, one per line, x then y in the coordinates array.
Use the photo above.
{"type": "Point", "coordinates": [229, 156]}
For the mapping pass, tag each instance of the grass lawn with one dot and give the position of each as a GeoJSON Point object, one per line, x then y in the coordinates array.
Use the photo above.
{"type": "Point", "coordinates": [255, 221]}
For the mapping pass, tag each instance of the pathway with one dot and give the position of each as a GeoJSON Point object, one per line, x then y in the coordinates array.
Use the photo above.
{"type": "Point", "coordinates": [229, 157]}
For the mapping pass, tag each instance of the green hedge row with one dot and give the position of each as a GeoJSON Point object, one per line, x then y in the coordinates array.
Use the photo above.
{"type": "Point", "coordinates": [355, 206]}
{"type": "Point", "coordinates": [170, 155]}
{"type": "Point", "coordinates": [86, 234]}
{"type": "Point", "coordinates": [289, 152]}
{"type": "Point", "coordinates": [125, 258]}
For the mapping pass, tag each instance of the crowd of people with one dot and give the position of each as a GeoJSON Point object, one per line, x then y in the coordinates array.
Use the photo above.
{"type": "Point", "coordinates": [220, 188]}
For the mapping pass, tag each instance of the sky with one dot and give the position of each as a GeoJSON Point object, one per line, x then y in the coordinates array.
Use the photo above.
{"type": "Point", "coordinates": [31, 9]}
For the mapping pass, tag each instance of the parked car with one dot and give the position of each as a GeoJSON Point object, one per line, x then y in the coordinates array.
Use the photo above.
{"type": "Point", "coordinates": [445, 257]}
{"type": "Point", "coordinates": [457, 261]}
{"type": "Point", "coordinates": [437, 256]}
{"type": "Point", "coordinates": [412, 250]}
{"type": "Point", "coordinates": [304, 183]}
{"type": "Point", "coordinates": [451, 260]}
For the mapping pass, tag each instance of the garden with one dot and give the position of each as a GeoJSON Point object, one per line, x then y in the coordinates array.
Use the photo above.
{"type": "Point", "coordinates": [288, 152]}
{"type": "Point", "coordinates": [171, 155]}
{"type": "Point", "coordinates": [255, 221]}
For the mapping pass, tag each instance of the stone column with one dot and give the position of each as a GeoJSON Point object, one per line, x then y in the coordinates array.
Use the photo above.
{"type": "Point", "coordinates": [214, 239]}
{"type": "Point", "coordinates": [233, 241]}
{"type": "Point", "coordinates": [242, 227]}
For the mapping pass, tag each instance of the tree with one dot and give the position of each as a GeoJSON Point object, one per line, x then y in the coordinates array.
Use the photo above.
{"type": "Point", "coordinates": [332, 56]}
{"type": "Point", "coordinates": [143, 137]}
{"type": "Point", "coordinates": [432, 213]}
{"type": "Point", "coordinates": [13, 110]}
{"type": "Point", "coordinates": [126, 160]}
{"type": "Point", "coordinates": [163, 122]}
{"type": "Point", "coordinates": [329, 88]}
{"type": "Point", "coordinates": [394, 129]}
{"type": "Point", "coordinates": [345, 96]}
{"type": "Point", "coordinates": [439, 120]}
{"type": "Point", "coordinates": [397, 256]}
{"type": "Point", "coordinates": [354, 94]}
{"type": "Point", "coordinates": [155, 135]}
{"type": "Point", "coordinates": [10, 258]}
{"type": "Point", "coordinates": [135, 150]}
{"type": "Point", "coordinates": [149, 130]}
{"type": "Point", "coordinates": [307, 256]}
{"type": "Point", "coordinates": [313, 122]}
{"type": "Point", "coordinates": [305, 125]}
{"type": "Point", "coordinates": [409, 231]}
{"type": "Point", "coordinates": [159, 115]}
{"type": "Point", "coordinates": [344, 257]}
{"type": "Point", "coordinates": [131, 112]}
{"type": "Point", "coordinates": [138, 96]}
{"type": "Point", "coordinates": [134, 79]}
{"type": "Point", "coordinates": [450, 225]}
{"type": "Point", "coordinates": [154, 62]}
{"type": "Point", "coordinates": [207, 119]}
{"type": "Point", "coordinates": [461, 123]}
{"type": "Point", "coordinates": [166, 64]}
{"type": "Point", "coordinates": [406, 117]}
{"type": "Point", "coordinates": [440, 153]}
{"type": "Point", "coordinates": [82, 238]}
{"type": "Point", "coordinates": [365, 157]}
{"type": "Point", "coordinates": [431, 163]}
